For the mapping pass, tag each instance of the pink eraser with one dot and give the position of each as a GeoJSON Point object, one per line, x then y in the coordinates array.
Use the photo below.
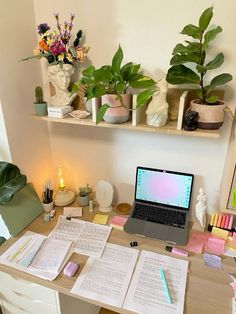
{"type": "Point", "coordinates": [70, 269]}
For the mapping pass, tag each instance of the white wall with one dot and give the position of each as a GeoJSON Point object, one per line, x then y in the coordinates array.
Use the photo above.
{"type": "Point", "coordinates": [28, 140]}
{"type": "Point", "coordinates": [147, 31]}
{"type": "Point", "coordinates": [5, 153]}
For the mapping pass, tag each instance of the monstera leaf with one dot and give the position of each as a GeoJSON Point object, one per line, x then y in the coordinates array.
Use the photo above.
{"type": "Point", "coordinates": [11, 181]}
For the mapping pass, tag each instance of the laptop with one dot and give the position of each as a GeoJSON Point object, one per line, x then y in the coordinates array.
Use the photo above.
{"type": "Point", "coordinates": [161, 205]}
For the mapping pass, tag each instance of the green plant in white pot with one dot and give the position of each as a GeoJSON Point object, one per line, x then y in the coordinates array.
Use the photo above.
{"type": "Point", "coordinates": [40, 105]}
{"type": "Point", "coordinates": [83, 196]}
{"type": "Point", "coordinates": [114, 83]}
{"type": "Point", "coordinates": [194, 54]}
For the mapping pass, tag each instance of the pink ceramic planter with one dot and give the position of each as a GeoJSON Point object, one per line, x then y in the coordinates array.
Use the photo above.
{"type": "Point", "coordinates": [119, 114]}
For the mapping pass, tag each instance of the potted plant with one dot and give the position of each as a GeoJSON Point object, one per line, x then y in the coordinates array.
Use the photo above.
{"type": "Point", "coordinates": [83, 196]}
{"type": "Point", "coordinates": [194, 53]}
{"type": "Point", "coordinates": [114, 83]}
{"type": "Point", "coordinates": [40, 105]}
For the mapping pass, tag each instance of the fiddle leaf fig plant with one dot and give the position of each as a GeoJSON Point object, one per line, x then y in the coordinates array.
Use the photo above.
{"type": "Point", "coordinates": [11, 181]}
{"type": "Point", "coordinates": [116, 79]}
{"type": "Point", "coordinates": [194, 53]}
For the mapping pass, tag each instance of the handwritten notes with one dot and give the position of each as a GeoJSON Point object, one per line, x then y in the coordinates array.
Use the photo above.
{"type": "Point", "coordinates": [212, 260]}
{"type": "Point", "coordinates": [215, 246]}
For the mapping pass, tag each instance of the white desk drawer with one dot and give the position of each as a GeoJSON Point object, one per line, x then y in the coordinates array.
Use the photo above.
{"type": "Point", "coordinates": [28, 289]}
{"type": "Point", "coordinates": [18, 304]}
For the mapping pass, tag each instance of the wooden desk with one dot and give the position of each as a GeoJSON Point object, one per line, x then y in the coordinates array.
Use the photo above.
{"type": "Point", "coordinates": [208, 290]}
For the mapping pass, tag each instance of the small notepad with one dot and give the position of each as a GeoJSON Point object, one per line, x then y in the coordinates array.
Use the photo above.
{"type": "Point", "coordinates": [118, 222]}
{"type": "Point", "coordinates": [100, 219]}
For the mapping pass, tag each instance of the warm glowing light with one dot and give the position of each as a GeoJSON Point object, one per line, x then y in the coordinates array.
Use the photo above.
{"type": "Point", "coordinates": [62, 184]}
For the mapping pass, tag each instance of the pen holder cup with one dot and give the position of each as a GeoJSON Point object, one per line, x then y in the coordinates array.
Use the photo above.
{"type": "Point", "coordinates": [48, 207]}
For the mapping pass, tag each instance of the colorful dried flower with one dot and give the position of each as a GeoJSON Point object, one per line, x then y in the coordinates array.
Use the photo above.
{"type": "Point", "coordinates": [43, 28]}
{"type": "Point", "coordinates": [55, 45]}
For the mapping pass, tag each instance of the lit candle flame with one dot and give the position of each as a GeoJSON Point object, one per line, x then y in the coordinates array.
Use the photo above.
{"type": "Point", "coordinates": [62, 184]}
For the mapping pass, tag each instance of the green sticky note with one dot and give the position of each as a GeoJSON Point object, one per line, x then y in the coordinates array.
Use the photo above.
{"type": "Point", "coordinates": [233, 203]}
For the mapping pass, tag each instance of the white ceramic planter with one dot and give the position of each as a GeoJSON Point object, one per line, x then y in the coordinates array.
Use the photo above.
{"type": "Point", "coordinates": [83, 200]}
{"type": "Point", "coordinates": [48, 207]}
{"type": "Point", "coordinates": [117, 114]}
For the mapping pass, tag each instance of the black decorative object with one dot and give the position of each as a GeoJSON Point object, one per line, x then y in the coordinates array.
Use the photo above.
{"type": "Point", "coordinates": [190, 120]}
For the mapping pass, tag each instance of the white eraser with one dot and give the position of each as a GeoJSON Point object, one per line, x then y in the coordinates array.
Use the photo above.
{"type": "Point", "coordinates": [72, 211]}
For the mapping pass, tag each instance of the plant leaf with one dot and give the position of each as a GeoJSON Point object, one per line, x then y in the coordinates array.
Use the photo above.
{"type": "Point", "coordinates": [180, 74]}
{"type": "Point", "coordinates": [11, 181]}
{"type": "Point", "coordinates": [129, 71]}
{"type": "Point", "coordinates": [102, 110]}
{"type": "Point", "coordinates": [216, 62]}
{"type": "Point", "coordinates": [205, 18]}
{"type": "Point", "coordinates": [141, 81]}
{"type": "Point", "coordinates": [116, 61]}
{"type": "Point", "coordinates": [89, 70]}
{"type": "Point", "coordinates": [144, 96]}
{"type": "Point", "coordinates": [99, 90]}
{"type": "Point", "coordinates": [179, 59]}
{"type": "Point", "coordinates": [75, 88]}
{"type": "Point", "coordinates": [200, 68]}
{"type": "Point", "coordinates": [192, 30]}
{"type": "Point", "coordinates": [212, 99]}
{"type": "Point", "coordinates": [102, 75]}
{"type": "Point", "coordinates": [209, 36]}
{"type": "Point", "coordinates": [219, 80]}
{"type": "Point", "coordinates": [120, 87]}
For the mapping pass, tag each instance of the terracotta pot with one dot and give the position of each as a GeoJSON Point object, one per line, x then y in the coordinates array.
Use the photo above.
{"type": "Point", "coordinates": [210, 116]}
{"type": "Point", "coordinates": [119, 114]}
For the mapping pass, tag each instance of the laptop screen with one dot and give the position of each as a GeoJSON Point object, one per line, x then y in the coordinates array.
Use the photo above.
{"type": "Point", "coordinates": [163, 187]}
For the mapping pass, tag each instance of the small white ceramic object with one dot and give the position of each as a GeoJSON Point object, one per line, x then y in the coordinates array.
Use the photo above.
{"type": "Point", "coordinates": [79, 114]}
{"type": "Point", "coordinates": [104, 196]}
{"type": "Point", "coordinates": [48, 207]}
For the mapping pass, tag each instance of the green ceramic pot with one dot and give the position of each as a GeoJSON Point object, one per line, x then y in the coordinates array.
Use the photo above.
{"type": "Point", "coordinates": [41, 109]}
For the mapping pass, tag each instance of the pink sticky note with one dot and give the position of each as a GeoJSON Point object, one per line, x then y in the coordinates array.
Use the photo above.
{"type": "Point", "coordinates": [234, 239]}
{"type": "Point", "coordinates": [196, 242]}
{"type": "Point", "coordinates": [215, 246]}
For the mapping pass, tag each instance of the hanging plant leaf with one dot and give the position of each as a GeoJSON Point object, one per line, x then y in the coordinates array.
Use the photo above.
{"type": "Point", "coordinates": [101, 112]}
{"type": "Point", "coordinates": [11, 181]}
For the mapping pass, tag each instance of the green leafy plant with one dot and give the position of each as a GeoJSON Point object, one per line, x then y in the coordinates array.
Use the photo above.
{"type": "Point", "coordinates": [85, 190]}
{"type": "Point", "coordinates": [194, 53]}
{"type": "Point", "coordinates": [116, 79]}
{"type": "Point", "coordinates": [11, 181]}
{"type": "Point", "coordinates": [39, 95]}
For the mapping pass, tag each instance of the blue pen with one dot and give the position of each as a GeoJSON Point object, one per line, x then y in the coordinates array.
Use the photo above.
{"type": "Point", "coordinates": [167, 292]}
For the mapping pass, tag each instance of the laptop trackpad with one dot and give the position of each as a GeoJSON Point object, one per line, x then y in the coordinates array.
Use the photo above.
{"type": "Point", "coordinates": [156, 231]}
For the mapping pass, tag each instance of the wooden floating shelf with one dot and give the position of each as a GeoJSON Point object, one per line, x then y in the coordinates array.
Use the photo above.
{"type": "Point", "coordinates": [169, 128]}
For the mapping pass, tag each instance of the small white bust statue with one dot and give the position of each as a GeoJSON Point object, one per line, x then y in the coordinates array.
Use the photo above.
{"type": "Point", "coordinates": [60, 77]}
{"type": "Point", "coordinates": [157, 111]}
{"type": "Point", "coordinates": [200, 208]}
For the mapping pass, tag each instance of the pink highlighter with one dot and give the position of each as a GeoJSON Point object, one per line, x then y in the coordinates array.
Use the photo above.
{"type": "Point", "coordinates": [176, 251]}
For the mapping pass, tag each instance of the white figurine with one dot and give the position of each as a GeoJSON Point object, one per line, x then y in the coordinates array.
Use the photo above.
{"type": "Point", "coordinates": [157, 111]}
{"type": "Point", "coordinates": [200, 208]}
{"type": "Point", "coordinates": [60, 77]}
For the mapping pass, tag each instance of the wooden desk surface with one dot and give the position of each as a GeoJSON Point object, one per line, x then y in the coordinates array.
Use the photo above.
{"type": "Point", "coordinates": [208, 290]}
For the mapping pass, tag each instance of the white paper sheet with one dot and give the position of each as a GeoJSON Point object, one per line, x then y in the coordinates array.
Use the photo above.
{"type": "Point", "coordinates": [146, 292]}
{"type": "Point", "coordinates": [106, 279]}
{"type": "Point", "coordinates": [89, 238]}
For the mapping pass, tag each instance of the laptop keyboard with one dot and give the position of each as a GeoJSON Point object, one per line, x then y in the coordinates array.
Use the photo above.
{"type": "Point", "coordinates": [159, 215]}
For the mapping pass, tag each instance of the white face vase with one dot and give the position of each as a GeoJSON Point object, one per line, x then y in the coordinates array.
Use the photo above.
{"type": "Point", "coordinates": [60, 77]}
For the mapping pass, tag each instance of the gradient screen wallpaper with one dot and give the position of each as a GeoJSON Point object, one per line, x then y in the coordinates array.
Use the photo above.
{"type": "Point", "coordinates": [163, 187]}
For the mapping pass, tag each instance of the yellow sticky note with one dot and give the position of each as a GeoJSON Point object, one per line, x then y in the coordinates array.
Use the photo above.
{"type": "Point", "coordinates": [220, 233]}
{"type": "Point", "coordinates": [100, 219]}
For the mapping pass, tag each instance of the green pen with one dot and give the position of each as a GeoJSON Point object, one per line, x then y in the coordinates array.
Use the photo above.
{"type": "Point", "coordinates": [167, 292]}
